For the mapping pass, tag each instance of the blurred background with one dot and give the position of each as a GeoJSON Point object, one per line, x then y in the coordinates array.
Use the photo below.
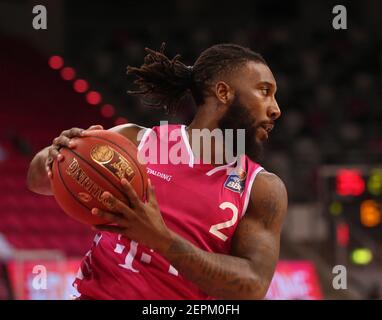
{"type": "Point", "coordinates": [327, 146]}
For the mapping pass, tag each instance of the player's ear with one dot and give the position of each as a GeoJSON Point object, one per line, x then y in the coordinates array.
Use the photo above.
{"type": "Point", "coordinates": [224, 92]}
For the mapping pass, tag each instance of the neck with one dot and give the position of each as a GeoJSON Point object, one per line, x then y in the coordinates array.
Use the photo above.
{"type": "Point", "coordinates": [207, 117]}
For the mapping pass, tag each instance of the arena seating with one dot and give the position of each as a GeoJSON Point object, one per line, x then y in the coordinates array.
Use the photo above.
{"type": "Point", "coordinates": [36, 105]}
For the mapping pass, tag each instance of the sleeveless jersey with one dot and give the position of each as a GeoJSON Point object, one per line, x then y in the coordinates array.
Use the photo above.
{"type": "Point", "coordinates": [200, 202]}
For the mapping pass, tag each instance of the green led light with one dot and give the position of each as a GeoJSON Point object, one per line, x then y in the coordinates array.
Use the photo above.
{"type": "Point", "coordinates": [335, 208]}
{"type": "Point", "coordinates": [374, 183]}
{"type": "Point", "coordinates": [361, 256]}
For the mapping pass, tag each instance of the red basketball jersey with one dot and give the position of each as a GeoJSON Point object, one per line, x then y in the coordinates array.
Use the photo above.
{"type": "Point", "coordinates": [200, 202]}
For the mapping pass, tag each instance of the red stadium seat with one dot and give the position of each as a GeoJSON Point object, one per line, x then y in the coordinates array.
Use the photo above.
{"type": "Point", "coordinates": [31, 221]}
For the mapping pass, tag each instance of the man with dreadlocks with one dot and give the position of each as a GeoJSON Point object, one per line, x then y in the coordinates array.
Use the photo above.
{"type": "Point", "coordinates": [203, 233]}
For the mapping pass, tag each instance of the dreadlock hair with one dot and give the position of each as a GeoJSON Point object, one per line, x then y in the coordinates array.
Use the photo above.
{"type": "Point", "coordinates": [164, 83]}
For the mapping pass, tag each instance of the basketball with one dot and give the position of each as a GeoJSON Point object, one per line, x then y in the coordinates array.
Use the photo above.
{"type": "Point", "coordinates": [96, 164]}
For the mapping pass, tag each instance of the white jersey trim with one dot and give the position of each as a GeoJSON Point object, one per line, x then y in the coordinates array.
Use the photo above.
{"type": "Point", "coordinates": [144, 138]}
{"type": "Point", "coordinates": [214, 170]}
{"type": "Point", "coordinates": [187, 143]}
{"type": "Point", "coordinates": [249, 189]}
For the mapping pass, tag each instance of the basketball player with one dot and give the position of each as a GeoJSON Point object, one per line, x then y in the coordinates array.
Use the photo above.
{"type": "Point", "coordinates": [203, 233]}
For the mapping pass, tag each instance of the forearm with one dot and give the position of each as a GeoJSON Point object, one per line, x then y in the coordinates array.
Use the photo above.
{"type": "Point", "coordinates": [218, 275]}
{"type": "Point", "coordinates": [37, 179]}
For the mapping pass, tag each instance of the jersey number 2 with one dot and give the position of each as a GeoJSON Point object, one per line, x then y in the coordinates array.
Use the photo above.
{"type": "Point", "coordinates": [216, 227]}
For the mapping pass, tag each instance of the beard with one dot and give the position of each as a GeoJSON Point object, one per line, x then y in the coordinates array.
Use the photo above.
{"type": "Point", "coordinates": [238, 117]}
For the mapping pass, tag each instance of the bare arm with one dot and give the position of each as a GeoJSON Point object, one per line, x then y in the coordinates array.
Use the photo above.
{"type": "Point", "coordinates": [247, 273]}
{"type": "Point", "coordinates": [37, 177]}
{"type": "Point", "coordinates": [39, 168]}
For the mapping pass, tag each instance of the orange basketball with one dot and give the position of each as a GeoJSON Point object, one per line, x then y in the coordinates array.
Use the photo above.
{"type": "Point", "coordinates": [96, 164]}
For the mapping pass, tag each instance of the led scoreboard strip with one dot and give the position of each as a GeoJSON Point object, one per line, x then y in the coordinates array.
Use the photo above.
{"type": "Point", "coordinates": [352, 197]}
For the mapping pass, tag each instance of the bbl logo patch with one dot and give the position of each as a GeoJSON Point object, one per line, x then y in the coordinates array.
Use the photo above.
{"type": "Point", "coordinates": [236, 181]}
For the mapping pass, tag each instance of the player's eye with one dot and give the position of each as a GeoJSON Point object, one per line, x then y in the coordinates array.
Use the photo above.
{"type": "Point", "coordinates": [265, 91]}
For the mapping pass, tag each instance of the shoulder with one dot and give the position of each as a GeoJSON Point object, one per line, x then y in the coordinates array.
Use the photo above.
{"type": "Point", "coordinates": [268, 200]}
{"type": "Point", "coordinates": [131, 131]}
{"type": "Point", "coordinates": [266, 182]}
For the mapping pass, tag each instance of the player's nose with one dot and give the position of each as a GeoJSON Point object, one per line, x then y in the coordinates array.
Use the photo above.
{"type": "Point", "coordinates": [274, 111]}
